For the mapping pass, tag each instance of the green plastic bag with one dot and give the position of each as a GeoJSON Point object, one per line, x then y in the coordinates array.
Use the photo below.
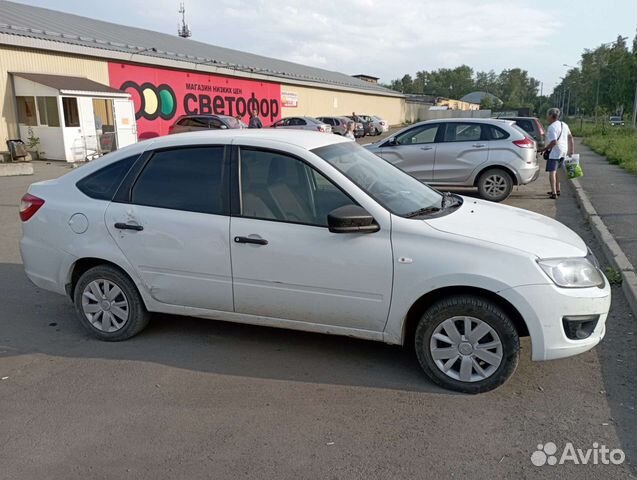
{"type": "Point", "coordinates": [573, 167]}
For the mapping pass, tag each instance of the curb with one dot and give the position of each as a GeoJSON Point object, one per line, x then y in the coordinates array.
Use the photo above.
{"type": "Point", "coordinates": [612, 251]}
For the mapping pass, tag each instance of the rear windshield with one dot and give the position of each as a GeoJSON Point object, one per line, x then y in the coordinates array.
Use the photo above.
{"type": "Point", "coordinates": [103, 183]}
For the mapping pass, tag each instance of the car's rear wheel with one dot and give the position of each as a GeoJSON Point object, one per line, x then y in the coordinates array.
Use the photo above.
{"type": "Point", "coordinates": [467, 343]}
{"type": "Point", "coordinates": [108, 304]}
{"type": "Point", "coordinates": [495, 185]}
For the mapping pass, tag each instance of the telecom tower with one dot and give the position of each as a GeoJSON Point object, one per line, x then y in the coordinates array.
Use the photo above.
{"type": "Point", "coordinates": [183, 31]}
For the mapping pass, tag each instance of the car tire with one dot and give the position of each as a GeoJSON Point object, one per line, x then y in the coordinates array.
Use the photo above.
{"type": "Point", "coordinates": [471, 361]}
{"type": "Point", "coordinates": [109, 305]}
{"type": "Point", "coordinates": [495, 185]}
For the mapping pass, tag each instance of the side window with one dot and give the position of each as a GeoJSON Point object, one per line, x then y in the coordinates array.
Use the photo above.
{"type": "Point", "coordinates": [498, 133]}
{"type": "Point", "coordinates": [215, 123]}
{"type": "Point", "coordinates": [463, 132]}
{"type": "Point", "coordinates": [282, 188]}
{"type": "Point", "coordinates": [419, 135]}
{"type": "Point", "coordinates": [103, 183]}
{"type": "Point", "coordinates": [189, 179]}
{"type": "Point", "coordinates": [198, 122]}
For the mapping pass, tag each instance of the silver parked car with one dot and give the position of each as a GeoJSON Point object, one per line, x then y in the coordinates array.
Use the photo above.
{"type": "Point", "coordinates": [492, 155]}
{"type": "Point", "coordinates": [303, 123]}
{"type": "Point", "coordinates": [338, 124]}
{"type": "Point", "coordinates": [193, 123]}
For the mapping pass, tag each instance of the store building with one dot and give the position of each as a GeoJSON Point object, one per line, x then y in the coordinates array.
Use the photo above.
{"type": "Point", "coordinates": [161, 76]}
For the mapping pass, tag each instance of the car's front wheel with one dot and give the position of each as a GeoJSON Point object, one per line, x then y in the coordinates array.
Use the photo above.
{"type": "Point", "coordinates": [108, 304]}
{"type": "Point", "coordinates": [467, 343]}
{"type": "Point", "coordinates": [495, 185]}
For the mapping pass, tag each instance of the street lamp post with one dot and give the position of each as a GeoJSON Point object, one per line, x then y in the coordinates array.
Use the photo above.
{"type": "Point", "coordinates": [635, 107]}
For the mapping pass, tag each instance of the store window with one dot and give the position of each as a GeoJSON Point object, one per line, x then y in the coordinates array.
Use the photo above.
{"type": "Point", "coordinates": [48, 111]}
{"type": "Point", "coordinates": [71, 115]}
{"type": "Point", "coordinates": [26, 111]}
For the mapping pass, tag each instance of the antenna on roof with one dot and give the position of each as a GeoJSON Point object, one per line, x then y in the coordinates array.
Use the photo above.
{"type": "Point", "coordinates": [183, 31]}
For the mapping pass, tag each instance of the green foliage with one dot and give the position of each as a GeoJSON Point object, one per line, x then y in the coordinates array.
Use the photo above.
{"type": "Point", "coordinates": [514, 87]}
{"type": "Point", "coordinates": [606, 75]}
{"type": "Point", "coordinates": [614, 276]}
{"type": "Point", "coordinates": [33, 142]}
{"type": "Point", "coordinates": [617, 144]}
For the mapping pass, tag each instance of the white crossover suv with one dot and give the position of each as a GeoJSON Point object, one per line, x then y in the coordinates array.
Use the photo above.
{"type": "Point", "coordinates": [312, 232]}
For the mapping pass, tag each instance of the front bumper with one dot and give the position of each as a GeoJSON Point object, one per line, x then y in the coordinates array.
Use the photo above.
{"type": "Point", "coordinates": [544, 306]}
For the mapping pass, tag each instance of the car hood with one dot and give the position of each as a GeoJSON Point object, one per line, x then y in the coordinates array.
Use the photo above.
{"type": "Point", "coordinates": [512, 227]}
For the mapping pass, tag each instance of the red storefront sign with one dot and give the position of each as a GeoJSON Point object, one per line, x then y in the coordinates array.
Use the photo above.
{"type": "Point", "coordinates": [161, 95]}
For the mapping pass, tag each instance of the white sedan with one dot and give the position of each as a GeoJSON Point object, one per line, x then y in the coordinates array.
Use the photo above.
{"type": "Point", "coordinates": [309, 231]}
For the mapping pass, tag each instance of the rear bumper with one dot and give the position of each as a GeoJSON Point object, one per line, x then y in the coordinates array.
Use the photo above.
{"type": "Point", "coordinates": [528, 174]}
{"type": "Point", "coordinates": [45, 266]}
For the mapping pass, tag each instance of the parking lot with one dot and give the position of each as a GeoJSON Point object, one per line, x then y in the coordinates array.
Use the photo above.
{"type": "Point", "coordinates": [192, 398]}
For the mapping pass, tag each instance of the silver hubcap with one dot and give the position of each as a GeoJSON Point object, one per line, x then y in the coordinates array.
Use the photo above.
{"type": "Point", "coordinates": [466, 349]}
{"type": "Point", "coordinates": [495, 185]}
{"type": "Point", "coordinates": [105, 305]}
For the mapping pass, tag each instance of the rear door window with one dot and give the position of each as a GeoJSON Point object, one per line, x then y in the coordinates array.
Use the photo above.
{"type": "Point", "coordinates": [102, 184]}
{"type": "Point", "coordinates": [190, 179]}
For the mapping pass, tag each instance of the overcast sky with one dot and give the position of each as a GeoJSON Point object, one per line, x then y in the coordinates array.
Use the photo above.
{"type": "Point", "coordinates": [387, 38]}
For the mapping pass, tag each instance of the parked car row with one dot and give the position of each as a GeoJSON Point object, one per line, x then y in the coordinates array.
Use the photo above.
{"type": "Point", "coordinates": [365, 124]}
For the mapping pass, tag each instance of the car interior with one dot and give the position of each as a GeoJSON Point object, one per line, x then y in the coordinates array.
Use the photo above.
{"type": "Point", "coordinates": [277, 187]}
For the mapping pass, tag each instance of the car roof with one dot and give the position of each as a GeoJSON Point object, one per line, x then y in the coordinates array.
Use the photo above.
{"type": "Point", "coordinates": [305, 139]}
{"type": "Point", "coordinates": [490, 121]}
{"type": "Point", "coordinates": [507, 117]}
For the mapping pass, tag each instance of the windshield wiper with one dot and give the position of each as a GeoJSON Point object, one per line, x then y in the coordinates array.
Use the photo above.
{"type": "Point", "coordinates": [422, 211]}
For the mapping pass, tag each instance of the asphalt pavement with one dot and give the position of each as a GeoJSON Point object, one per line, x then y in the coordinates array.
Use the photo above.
{"type": "Point", "coordinates": [195, 399]}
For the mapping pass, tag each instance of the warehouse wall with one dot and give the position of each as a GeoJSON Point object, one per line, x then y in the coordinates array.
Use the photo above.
{"type": "Point", "coordinates": [317, 102]}
{"type": "Point", "coordinates": [311, 101]}
{"type": "Point", "coordinates": [15, 59]}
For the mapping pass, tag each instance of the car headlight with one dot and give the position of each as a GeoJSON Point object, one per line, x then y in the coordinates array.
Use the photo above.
{"type": "Point", "coordinates": [573, 272]}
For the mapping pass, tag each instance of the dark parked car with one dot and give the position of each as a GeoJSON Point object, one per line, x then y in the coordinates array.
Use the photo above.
{"type": "Point", "coordinates": [368, 125]}
{"type": "Point", "coordinates": [193, 123]}
{"type": "Point", "coordinates": [339, 125]}
{"type": "Point", "coordinates": [530, 125]}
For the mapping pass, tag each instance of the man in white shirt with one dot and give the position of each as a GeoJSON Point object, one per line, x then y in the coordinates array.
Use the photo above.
{"type": "Point", "coordinates": [560, 144]}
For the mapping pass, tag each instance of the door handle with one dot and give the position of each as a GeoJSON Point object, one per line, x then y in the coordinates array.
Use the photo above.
{"type": "Point", "coordinates": [426, 148]}
{"type": "Point", "coordinates": [478, 145]}
{"type": "Point", "coordinates": [128, 226]}
{"type": "Point", "coordinates": [254, 241]}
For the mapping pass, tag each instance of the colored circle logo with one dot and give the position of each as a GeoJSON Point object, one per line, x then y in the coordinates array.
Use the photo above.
{"type": "Point", "coordinates": [152, 101]}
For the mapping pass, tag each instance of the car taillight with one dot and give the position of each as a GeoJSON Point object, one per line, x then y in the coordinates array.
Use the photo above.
{"type": "Point", "coordinates": [29, 205]}
{"type": "Point", "coordinates": [321, 128]}
{"type": "Point", "coordinates": [540, 128]}
{"type": "Point", "coordinates": [524, 143]}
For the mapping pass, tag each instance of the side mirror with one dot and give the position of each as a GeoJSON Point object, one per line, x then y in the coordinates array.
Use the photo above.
{"type": "Point", "coordinates": [391, 142]}
{"type": "Point", "coordinates": [351, 219]}
{"type": "Point", "coordinates": [223, 127]}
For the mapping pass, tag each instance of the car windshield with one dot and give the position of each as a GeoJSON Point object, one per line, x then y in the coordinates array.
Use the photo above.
{"type": "Point", "coordinates": [615, 119]}
{"type": "Point", "coordinates": [395, 190]}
